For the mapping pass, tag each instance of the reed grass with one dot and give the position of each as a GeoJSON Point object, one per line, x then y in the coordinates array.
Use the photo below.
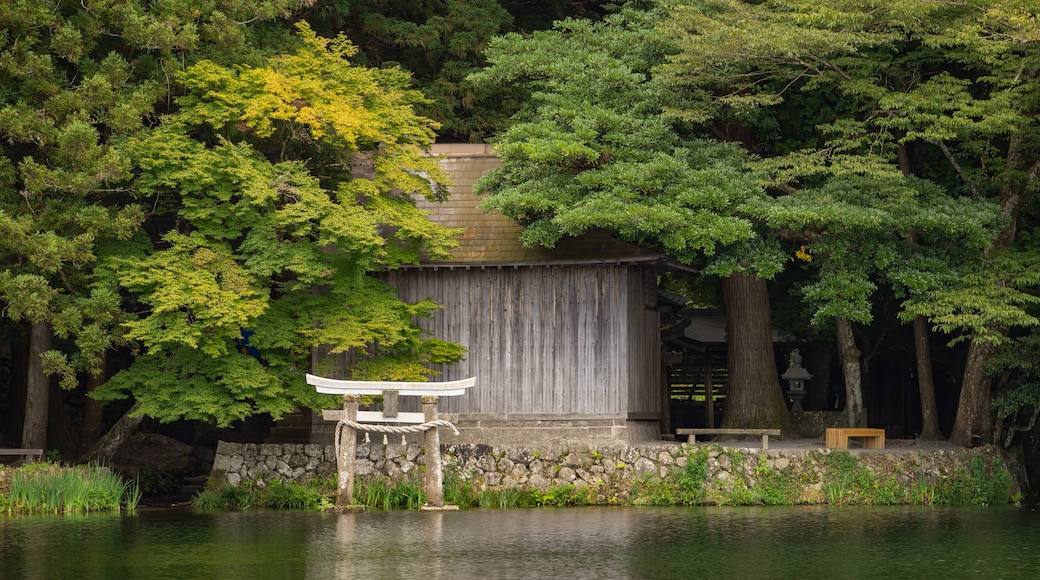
{"type": "Point", "coordinates": [53, 488]}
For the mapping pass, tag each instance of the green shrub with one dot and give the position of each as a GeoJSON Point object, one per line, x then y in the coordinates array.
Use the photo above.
{"type": "Point", "coordinates": [693, 479]}
{"type": "Point", "coordinates": [567, 495]}
{"type": "Point", "coordinates": [774, 486]}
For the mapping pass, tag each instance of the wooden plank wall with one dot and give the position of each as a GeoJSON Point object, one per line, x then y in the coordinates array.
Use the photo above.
{"type": "Point", "coordinates": [645, 370]}
{"type": "Point", "coordinates": [545, 340]}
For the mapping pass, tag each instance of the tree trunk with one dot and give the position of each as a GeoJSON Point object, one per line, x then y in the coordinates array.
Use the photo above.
{"type": "Point", "coordinates": [923, 353]}
{"type": "Point", "coordinates": [93, 410]}
{"type": "Point", "coordinates": [973, 425]}
{"type": "Point", "coordinates": [107, 446]}
{"type": "Point", "coordinates": [925, 383]}
{"type": "Point", "coordinates": [849, 356]}
{"type": "Point", "coordinates": [973, 422]}
{"type": "Point", "coordinates": [37, 394]}
{"type": "Point", "coordinates": [754, 398]}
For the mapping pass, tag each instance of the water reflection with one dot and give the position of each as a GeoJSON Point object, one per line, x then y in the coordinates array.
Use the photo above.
{"type": "Point", "coordinates": [658, 543]}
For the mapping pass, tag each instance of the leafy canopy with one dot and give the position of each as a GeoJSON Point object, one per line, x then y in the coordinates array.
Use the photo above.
{"type": "Point", "coordinates": [286, 185]}
{"type": "Point", "coordinates": [591, 149]}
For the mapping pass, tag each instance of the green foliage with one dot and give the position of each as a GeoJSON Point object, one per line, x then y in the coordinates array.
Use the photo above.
{"type": "Point", "coordinates": [984, 300]}
{"type": "Point", "coordinates": [457, 490]}
{"type": "Point", "coordinates": [693, 479]}
{"type": "Point", "coordinates": [284, 495]}
{"type": "Point", "coordinates": [590, 149]}
{"type": "Point", "coordinates": [1018, 362]}
{"type": "Point", "coordinates": [843, 477]}
{"type": "Point", "coordinates": [78, 83]}
{"type": "Point", "coordinates": [256, 167]}
{"type": "Point", "coordinates": [852, 106]}
{"type": "Point", "coordinates": [226, 497]}
{"type": "Point", "coordinates": [680, 486]}
{"type": "Point", "coordinates": [775, 486]}
{"type": "Point", "coordinates": [180, 180]}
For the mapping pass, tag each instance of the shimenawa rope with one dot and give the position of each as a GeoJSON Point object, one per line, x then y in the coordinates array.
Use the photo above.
{"type": "Point", "coordinates": [384, 429]}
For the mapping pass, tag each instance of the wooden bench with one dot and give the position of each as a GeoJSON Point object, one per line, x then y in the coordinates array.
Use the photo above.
{"type": "Point", "coordinates": [25, 454]}
{"type": "Point", "coordinates": [693, 433]}
{"type": "Point", "coordinates": [838, 437]}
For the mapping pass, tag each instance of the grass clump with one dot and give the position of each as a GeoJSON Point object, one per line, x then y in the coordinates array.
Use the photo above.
{"type": "Point", "coordinates": [53, 488]}
{"type": "Point", "coordinates": [847, 482]}
{"type": "Point", "coordinates": [313, 494]}
{"type": "Point", "coordinates": [979, 484]}
{"type": "Point", "coordinates": [377, 492]}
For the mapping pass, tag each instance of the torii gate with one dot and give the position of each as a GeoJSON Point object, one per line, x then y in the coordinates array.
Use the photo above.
{"type": "Point", "coordinates": [350, 420]}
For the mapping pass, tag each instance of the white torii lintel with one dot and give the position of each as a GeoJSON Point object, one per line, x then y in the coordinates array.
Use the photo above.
{"type": "Point", "coordinates": [342, 387]}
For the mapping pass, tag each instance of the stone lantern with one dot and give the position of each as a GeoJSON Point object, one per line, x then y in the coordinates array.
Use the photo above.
{"type": "Point", "coordinates": [796, 377]}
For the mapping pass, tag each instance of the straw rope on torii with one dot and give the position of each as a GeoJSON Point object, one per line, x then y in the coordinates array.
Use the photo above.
{"type": "Point", "coordinates": [396, 429]}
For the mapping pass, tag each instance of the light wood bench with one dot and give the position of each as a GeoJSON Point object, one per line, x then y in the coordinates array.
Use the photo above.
{"type": "Point", "coordinates": [838, 437]}
{"type": "Point", "coordinates": [25, 454]}
{"type": "Point", "coordinates": [693, 433]}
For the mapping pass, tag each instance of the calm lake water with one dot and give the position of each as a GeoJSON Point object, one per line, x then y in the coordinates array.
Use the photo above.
{"type": "Point", "coordinates": [640, 543]}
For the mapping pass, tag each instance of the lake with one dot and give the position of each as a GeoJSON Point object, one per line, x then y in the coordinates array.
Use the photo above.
{"type": "Point", "coordinates": [599, 542]}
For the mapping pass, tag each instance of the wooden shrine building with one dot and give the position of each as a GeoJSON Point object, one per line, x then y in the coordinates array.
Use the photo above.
{"type": "Point", "coordinates": [565, 343]}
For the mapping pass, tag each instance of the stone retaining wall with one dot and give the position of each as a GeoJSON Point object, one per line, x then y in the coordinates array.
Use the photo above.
{"type": "Point", "coordinates": [610, 471]}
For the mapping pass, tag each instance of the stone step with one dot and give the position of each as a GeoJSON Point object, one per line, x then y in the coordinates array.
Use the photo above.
{"type": "Point", "coordinates": [192, 485]}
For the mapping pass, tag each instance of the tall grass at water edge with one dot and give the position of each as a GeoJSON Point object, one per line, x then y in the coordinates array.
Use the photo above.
{"type": "Point", "coordinates": [52, 488]}
{"type": "Point", "coordinates": [372, 492]}
{"type": "Point", "coordinates": [838, 478]}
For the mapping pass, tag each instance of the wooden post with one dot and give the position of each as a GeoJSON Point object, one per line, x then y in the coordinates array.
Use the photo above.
{"type": "Point", "coordinates": [709, 394]}
{"type": "Point", "coordinates": [432, 441]}
{"type": "Point", "coordinates": [347, 451]}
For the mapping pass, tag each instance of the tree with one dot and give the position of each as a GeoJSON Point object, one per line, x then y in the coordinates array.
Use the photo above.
{"type": "Point", "coordinates": [852, 228]}
{"type": "Point", "coordinates": [272, 234]}
{"type": "Point", "coordinates": [93, 96]}
{"type": "Point", "coordinates": [590, 149]}
{"type": "Point", "coordinates": [441, 42]}
{"type": "Point", "coordinates": [66, 98]}
{"type": "Point", "coordinates": [910, 84]}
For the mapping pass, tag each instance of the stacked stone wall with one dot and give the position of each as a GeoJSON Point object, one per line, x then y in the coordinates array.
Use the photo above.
{"type": "Point", "coordinates": [611, 471]}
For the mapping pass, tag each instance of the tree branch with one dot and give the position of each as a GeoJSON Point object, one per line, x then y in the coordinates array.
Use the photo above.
{"type": "Point", "coordinates": [957, 167]}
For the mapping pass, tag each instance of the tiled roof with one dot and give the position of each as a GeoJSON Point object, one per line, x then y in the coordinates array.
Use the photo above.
{"type": "Point", "coordinates": [492, 238]}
